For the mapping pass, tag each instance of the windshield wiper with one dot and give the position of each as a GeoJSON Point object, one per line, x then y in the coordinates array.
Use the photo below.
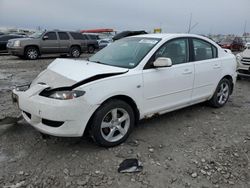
{"type": "Point", "coordinates": [99, 62]}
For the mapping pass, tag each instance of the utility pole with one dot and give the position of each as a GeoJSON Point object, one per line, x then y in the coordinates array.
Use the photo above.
{"type": "Point", "coordinates": [190, 22]}
{"type": "Point", "coordinates": [190, 26]}
{"type": "Point", "coordinates": [244, 33]}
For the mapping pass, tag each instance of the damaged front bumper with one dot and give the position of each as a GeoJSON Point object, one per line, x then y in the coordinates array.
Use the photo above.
{"type": "Point", "coordinates": [66, 118]}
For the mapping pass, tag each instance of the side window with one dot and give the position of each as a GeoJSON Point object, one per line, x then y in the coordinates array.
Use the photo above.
{"type": "Point", "coordinates": [51, 36]}
{"type": "Point", "coordinates": [6, 38]}
{"type": "Point", "coordinates": [84, 37]}
{"type": "Point", "coordinates": [176, 50]}
{"type": "Point", "coordinates": [76, 36]}
{"type": "Point", "coordinates": [203, 50]}
{"type": "Point", "coordinates": [63, 36]}
{"type": "Point", "coordinates": [93, 37]}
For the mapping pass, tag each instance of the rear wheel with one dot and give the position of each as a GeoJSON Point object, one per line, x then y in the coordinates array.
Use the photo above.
{"type": "Point", "coordinates": [112, 123]}
{"type": "Point", "coordinates": [75, 52]}
{"type": "Point", "coordinates": [221, 94]}
{"type": "Point", "coordinates": [31, 53]}
{"type": "Point", "coordinates": [91, 49]}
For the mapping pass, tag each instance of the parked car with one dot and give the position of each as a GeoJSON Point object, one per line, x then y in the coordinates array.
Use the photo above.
{"type": "Point", "coordinates": [243, 60]}
{"type": "Point", "coordinates": [233, 44]}
{"type": "Point", "coordinates": [127, 34]}
{"type": "Point", "coordinates": [4, 40]}
{"type": "Point", "coordinates": [92, 42]}
{"type": "Point", "coordinates": [247, 44]}
{"type": "Point", "coordinates": [131, 79]}
{"type": "Point", "coordinates": [103, 43]}
{"type": "Point", "coordinates": [48, 42]}
{"type": "Point", "coordinates": [20, 33]}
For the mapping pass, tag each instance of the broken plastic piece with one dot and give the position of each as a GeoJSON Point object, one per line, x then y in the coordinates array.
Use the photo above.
{"type": "Point", "coordinates": [130, 165]}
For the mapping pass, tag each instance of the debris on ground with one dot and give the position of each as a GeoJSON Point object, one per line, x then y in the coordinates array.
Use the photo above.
{"type": "Point", "coordinates": [130, 165]}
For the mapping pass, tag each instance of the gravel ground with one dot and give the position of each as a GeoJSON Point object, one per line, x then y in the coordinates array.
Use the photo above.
{"type": "Point", "coordinates": [197, 146]}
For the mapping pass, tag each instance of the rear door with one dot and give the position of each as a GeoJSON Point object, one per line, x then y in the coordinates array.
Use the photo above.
{"type": "Point", "coordinates": [208, 69]}
{"type": "Point", "coordinates": [64, 42]}
{"type": "Point", "coordinates": [50, 43]}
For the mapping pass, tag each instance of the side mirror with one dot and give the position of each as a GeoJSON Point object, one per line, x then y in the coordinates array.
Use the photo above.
{"type": "Point", "coordinates": [45, 37]}
{"type": "Point", "coordinates": [162, 62]}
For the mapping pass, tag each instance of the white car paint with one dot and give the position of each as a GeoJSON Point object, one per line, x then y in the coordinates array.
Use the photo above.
{"type": "Point", "coordinates": [154, 91]}
{"type": "Point", "coordinates": [243, 60]}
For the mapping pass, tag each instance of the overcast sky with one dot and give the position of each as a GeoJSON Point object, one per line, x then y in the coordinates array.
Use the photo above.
{"type": "Point", "coordinates": [212, 16]}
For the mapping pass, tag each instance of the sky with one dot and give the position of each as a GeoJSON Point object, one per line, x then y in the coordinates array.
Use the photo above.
{"type": "Point", "coordinates": [208, 16]}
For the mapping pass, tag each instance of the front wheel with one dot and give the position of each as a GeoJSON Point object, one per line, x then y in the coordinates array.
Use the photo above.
{"type": "Point", "coordinates": [31, 53]}
{"type": "Point", "coordinates": [112, 123]}
{"type": "Point", "coordinates": [221, 94]}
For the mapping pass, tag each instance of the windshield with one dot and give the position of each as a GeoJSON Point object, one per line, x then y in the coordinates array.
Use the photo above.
{"type": "Point", "coordinates": [126, 53]}
{"type": "Point", "coordinates": [37, 34]}
{"type": "Point", "coordinates": [226, 41]}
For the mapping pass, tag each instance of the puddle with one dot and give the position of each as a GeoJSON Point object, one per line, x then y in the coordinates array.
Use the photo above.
{"type": "Point", "coordinates": [3, 157]}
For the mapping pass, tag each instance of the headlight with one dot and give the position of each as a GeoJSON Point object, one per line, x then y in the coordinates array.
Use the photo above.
{"type": "Point", "coordinates": [238, 58]}
{"type": "Point", "coordinates": [22, 87]}
{"type": "Point", "coordinates": [17, 43]}
{"type": "Point", "coordinates": [66, 95]}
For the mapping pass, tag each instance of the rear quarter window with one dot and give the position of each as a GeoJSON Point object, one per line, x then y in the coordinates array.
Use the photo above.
{"type": "Point", "coordinates": [76, 36]}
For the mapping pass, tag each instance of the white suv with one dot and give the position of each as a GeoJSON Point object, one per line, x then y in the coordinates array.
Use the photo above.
{"type": "Point", "coordinates": [131, 79]}
{"type": "Point", "coordinates": [243, 60]}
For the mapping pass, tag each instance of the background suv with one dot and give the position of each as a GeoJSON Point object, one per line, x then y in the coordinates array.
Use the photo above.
{"type": "Point", "coordinates": [92, 42]}
{"type": "Point", "coordinates": [48, 42]}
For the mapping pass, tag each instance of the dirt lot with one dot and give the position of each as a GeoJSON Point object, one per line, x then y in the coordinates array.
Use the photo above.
{"type": "Point", "coordinates": [194, 147]}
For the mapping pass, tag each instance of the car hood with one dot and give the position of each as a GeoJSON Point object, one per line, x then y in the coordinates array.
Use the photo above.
{"type": "Point", "coordinates": [245, 53]}
{"type": "Point", "coordinates": [21, 39]}
{"type": "Point", "coordinates": [66, 72]}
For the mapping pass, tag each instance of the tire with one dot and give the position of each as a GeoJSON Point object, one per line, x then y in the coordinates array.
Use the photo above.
{"type": "Point", "coordinates": [31, 53]}
{"type": "Point", "coordinates": [75, 52]}
{"type": "Point", "coordinates": [221, 94]}
{"type": "Point", "coordinates": [106, 128]}
{"type": "Point", "coordinates": [91, 49]}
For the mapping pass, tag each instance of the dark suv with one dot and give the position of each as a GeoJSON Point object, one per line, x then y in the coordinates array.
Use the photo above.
{"type": "Point", "coordinates": [91, 39]}
{"type": "Point", "coordinates": [49, 42]}
{"type": "Point", "coordinates": [4, 40]}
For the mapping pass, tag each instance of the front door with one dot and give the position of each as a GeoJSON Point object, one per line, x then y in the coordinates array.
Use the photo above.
{"type": "Point", "coordinates": [169, 87]}
{"type": "Point", "coordinates": [50, 43]}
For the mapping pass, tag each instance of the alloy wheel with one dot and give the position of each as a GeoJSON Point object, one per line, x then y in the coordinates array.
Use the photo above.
{"type": "Point", "coordinates": [32, 53]}
{"type": "Point", "coordinates": [115, 124]}
{"type": "Point", "coordinates": [75, 53]}
{"type": "Point", "coordinates": [223, 93]}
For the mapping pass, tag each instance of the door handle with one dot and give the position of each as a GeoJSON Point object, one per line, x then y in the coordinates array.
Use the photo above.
{"type": "Point", "coordinates": [216, 66]}
{"type": "Point", "coordinates": [187, 71]}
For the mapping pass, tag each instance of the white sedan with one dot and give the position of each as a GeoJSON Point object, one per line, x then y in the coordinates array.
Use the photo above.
{"type": "Point", "coordinates": [131, 79]}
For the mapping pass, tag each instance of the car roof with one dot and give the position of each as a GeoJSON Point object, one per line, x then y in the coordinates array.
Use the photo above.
{"type": "Point", "coordinates": [168, 35]}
